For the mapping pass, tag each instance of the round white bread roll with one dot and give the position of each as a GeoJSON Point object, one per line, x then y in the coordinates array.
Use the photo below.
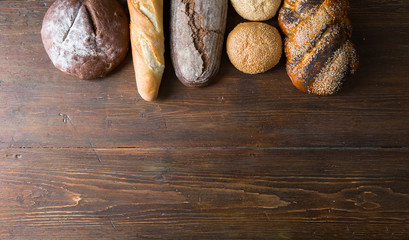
{"type": "Point", "coordinates": [256, 10]}
{"type": "Point", "coordinates": [254, 47]}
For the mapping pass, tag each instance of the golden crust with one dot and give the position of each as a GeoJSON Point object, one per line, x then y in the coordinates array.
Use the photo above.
{"type": "Point", "coordinates": [148, 45]}
{"type": "Point", "coordinates": [254, 47]}
{"type": "Point", "coordinates": [319, 52]}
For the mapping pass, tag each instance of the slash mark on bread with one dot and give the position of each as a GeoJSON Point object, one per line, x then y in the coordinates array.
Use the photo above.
{"type": "Point", "coordinates": [149, 55]}
{"type": "Point", "coordinates": [77, 10]}
{"type": "Point", "coordinates": [149, 15]}
{"type": "Point", "coordinates": [91, 19]}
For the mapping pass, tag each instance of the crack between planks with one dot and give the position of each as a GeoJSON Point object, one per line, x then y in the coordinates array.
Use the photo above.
{"type": "Point", "coordinates": [92, 147]}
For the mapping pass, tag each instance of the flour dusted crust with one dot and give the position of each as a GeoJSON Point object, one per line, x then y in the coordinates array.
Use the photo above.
{"type": "Point", "coordinates": [197, 30]}
{"type": "Point", "coordinates": [256, 10]}
{"type": "Point", "coordinates": [86, 38]}
{"type": "Point", "coordinates": [254, 47]}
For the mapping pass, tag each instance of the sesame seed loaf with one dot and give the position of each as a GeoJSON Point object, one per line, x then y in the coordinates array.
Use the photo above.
{"type": "Point", "coordinates": [254, 47]}
{"type": "Point", "coordinates": [317, 46]}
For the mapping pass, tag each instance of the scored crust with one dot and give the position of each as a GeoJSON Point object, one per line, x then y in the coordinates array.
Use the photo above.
{"type": "Point", "coordinates": [148, 45]}
{"type": "Point", "coordinates": [86, 38]}
{"type": "Point", "coordinates": [254, 47]}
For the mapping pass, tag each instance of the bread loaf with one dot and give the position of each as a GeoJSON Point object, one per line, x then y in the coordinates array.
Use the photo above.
{"type": "Point", "coordinates": [318, 46]}
{"type": "Point", "coordinates": [86, 38]}
{"type": "Point", "coordinates": [256, 10]}
{"type": "Point", "coordinates": [148, 45]}
{"type": "Point", "coordinates": [196, 36]}
{"type": "Point", "coordinates": [254, 47]}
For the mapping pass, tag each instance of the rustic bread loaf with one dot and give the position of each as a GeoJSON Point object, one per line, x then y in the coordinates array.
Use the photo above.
{"type": "Point", "coordinates": [86, 38]}
{"type": "Point", "coordinates": [196, 37]}
{"type": "Point", "coordinates": [148, 45]}
{"type": "Point", "coordinates": [318, 46]}
{"type": "Point", "coordinates": [254, 47]}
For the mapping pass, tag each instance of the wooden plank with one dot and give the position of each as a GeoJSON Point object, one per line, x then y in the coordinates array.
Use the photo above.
{"type": "Point", "coordinates": [204, 193]}
{"type": "Point", "coordinates": [245, 158]}
{"type": "Point", "coordinates": [40, 107]}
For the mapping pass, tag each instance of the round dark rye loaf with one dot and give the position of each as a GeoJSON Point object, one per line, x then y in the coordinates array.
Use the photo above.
{"type": "Point", "coordinates": [86, 38]}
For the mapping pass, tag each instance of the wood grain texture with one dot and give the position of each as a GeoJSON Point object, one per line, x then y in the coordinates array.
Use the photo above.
{"type": "Point", "coordinates": [183, 193]}
{"type": "Point", "coordinates": [249, 157]}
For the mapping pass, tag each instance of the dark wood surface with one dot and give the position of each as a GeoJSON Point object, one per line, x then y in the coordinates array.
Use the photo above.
{"type": "Point", "coordinates": [249, 157]}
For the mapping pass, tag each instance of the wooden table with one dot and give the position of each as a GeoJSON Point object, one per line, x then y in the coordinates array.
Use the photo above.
{"type": "Point", "coordinates": [249, 157]}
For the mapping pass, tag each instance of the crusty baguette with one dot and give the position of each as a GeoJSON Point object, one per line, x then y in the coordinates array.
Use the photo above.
{"type": "Point", "coordinates": [148, 45]}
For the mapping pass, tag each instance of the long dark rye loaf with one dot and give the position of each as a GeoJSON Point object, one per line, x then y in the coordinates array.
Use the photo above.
{"type": "Point", "coordinates": [318, 47]}
{"type": "Point", "coordinates": [196, 37]}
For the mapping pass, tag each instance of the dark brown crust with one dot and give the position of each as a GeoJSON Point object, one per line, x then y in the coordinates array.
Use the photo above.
{"type": "Point", "coordinates": [305, 65]}
{"type": "Point", "coordinates": [123, 3]}
{"type": "Point", "coordinates": [303, 73]}
{"type": "Point", "coordinates": [196, 22]}
{"type": "Point", "coordinates": [106, 35]}
{"type": "Point", "coordinates": [306, 6]}
{"type": "Point", "coordinates": [288, 20]}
